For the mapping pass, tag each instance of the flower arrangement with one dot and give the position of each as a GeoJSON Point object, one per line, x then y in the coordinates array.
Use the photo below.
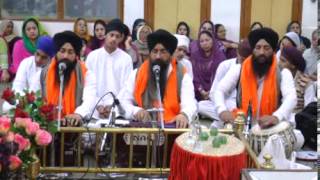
{"type": "Point", "coordinates": [27, 126]}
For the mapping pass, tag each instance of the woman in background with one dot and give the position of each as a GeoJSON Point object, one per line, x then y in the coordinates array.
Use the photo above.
{"type": "Point", "coordinates": [141, 42]}
{"type": "Point", "coordinates": [230, 47]}
{"type": "Point", "coordinates": [136, 25]}
{"type": "Point", "coordinates": [81, 29]}
{"type": "Point", "coordinates": [25, 47]}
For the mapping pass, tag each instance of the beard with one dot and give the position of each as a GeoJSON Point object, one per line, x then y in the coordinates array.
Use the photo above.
{"type": "Point", "coordinates": [260, 68]}
{"type": "Point", "coordinates": [162, 75]}
{"type": "Point", "coordinates": [67, 72]}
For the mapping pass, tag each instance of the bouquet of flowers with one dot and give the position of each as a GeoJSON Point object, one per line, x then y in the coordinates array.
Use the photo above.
{"type": "Point", "coordinates": [28, 126]}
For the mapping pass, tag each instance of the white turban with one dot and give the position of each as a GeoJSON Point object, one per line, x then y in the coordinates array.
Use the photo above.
{"type": "Point", "coordinates": [182, 40]}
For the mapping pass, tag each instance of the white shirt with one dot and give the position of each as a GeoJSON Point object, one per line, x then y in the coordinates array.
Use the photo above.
{"type": "Point", "coordinates": [188, 66]}
{"type": "Point", "coordinates": [222, 70]}
{"type": "Point", "coordinates": [88, 96]}
{"type": "Point", "coordinates": [288, 91]}
{"type": "Point", "coordinates": [188, 103]}
{"type": "Point", "coordinates": [311, 56]}
{"type": "Point", "coordinates": [111, 71]}
{"type": "Point", "coordinates": [28, 76]}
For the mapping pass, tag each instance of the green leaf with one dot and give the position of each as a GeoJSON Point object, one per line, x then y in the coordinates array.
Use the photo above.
{"type": "Point", "coordinates": [53, 127]}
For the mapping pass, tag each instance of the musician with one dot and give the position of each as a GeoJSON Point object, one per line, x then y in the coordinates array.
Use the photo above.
{"type": "Point", "coordinates": [176, 87]}
{"type": "Point", "coordinates": [79, 93]}
{"type": "Point", "coordinates": [259, 80]}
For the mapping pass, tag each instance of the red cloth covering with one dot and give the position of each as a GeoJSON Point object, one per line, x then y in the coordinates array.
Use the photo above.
{"type": "Point", "coordinates": [185, 165]}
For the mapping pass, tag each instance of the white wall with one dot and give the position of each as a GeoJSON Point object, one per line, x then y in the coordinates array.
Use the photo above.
{"type": "Point", "coordinates": [227, 12]}
{"type": "Point", "coordinates": [309, 17]}
{"type": "Point", "coordinates": [133, 9]}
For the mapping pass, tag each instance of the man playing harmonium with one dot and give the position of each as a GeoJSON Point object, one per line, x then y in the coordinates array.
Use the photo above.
{"type": "Point", "coordinates": [79, 93]}
{"type": "Point", "coordinates": [176, 87]}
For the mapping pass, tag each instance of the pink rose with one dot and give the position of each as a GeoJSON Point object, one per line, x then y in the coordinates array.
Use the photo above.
{"type": "Point", "coordinates": [15, 162]}
{"type": "Point", "coordinates": [22, 122]}
{"type": "Point", "coordinates": [24, 144]}
{"type": "Point", "coordinates": [10, 136]}
{"type": "Point", "coordinates": [32, 128]}
{"type": "Point", "coordinates": [43, 138]}
{"type": "Point", "coordinates": [4, 125]}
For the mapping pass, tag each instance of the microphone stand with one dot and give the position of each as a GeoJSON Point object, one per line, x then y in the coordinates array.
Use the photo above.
{"type": "Point", "coordinates": [52, 155]}
{"type": "Point", "coordinates": [158, 112]}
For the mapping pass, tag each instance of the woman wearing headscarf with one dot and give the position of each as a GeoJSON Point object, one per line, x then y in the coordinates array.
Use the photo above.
{"type": "Point", "coordinates": [25, 47]}
{"type": "Point", "coordinates": [6, 31]}
{"type": "Point", "coordinates": [205, 58]}
{"type": "Point", "coordinates": [136, 25]}
{"type": "Point", "coordinates": [206, 25]}
{"type": "Point", "coordinates": [295, 26]}
{"type": "Point", "coordinates": [80, 27]}
{"type": "Point", "coordinates": [99, 33]}
{"type": "Point", "coordinates": [141, 43]}
{"type": "Point", "coordinates": [230, 47]}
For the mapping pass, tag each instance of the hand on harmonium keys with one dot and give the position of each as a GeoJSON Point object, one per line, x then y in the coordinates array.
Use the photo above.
{"type": "Point", "coordinates": [104, 111]}
{"type": "Point", "coordinates": [142, 115]}
{"type": "Point", "coordinates": [268, 121]}
{"type": "Point", "coordinates": [71, 120]}
{"type": "Point", "coordinates": [181, 121]}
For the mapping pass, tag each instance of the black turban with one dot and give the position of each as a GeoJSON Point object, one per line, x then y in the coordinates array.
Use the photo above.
{"type": "Point", "coordinates": [68, 37]}
{"type": "Point", "coordinates": [163, 37]}
{"type": "Point", "coordinates": [294, 56]}
{"type": "Point", "coordinates": [264, 33]}
{"type": "Point", "coordinates": [115, 25]}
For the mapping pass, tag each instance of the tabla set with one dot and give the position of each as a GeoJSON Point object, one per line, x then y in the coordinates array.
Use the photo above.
{"type": "Point", "coordinates": [258, 137]}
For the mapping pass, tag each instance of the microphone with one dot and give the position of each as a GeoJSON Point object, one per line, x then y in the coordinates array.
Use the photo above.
{"type": "Point", "coordinates": [121, 110]}
{"type": "Point", "coordinates": [62, 67]}
{"type": "Point", "coordinates": [156, 71]}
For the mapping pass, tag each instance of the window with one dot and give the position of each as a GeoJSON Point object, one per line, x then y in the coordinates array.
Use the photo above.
{"type": "Point", "coordinates": [62, 9]}
{"type": "Point", "coordinates": [22, 8]}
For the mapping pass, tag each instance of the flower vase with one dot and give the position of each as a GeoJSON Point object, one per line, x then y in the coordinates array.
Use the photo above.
{"type": "Point", "coordinates": [33, 169]}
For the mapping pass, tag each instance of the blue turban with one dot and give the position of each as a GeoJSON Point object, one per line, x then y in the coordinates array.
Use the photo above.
{"type": "Point", "coordinates": [45, 44]}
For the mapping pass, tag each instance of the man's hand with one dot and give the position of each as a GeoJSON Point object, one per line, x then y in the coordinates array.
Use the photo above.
{"type": "Point", "coordinates": [71, 120]}
{"type": "Point", "coordinates": [181, 121]}
{"type": "Point", "coordinates": [142, 115]}
{"type": "Point", "coordinates": [103, 111]}
{"type": "Point", "coordinates": [268, 121]}
{"type": "Point", "coordinates": [5, 76]}
{"type": "Point", "coordinates": [226, 116]}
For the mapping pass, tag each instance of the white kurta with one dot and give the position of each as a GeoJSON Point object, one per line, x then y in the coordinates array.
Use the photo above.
{"type": "Point", "coordinates": [188, 66]}
{"type": "Point", "coordinates": [88, 96]}
{"type": "Point", "coordinates": [311, 56]}
{"type": "Point", "coordinates": [288, 92]}
{"type": "Point", "coordinates": [111, 71]}
{"type": "Point", "coordinates": [188, 103]}
{"type": "Point", "coordinates": [28, 76]}
{"type": "Point", "coordinates": [208, 107]}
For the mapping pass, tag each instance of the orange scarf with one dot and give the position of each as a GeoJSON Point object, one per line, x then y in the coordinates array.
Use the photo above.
{"type": "Point", "coordinates": [52, 88]}
{"type": "Point", "coordinates": [249, 89]}
{"type": "Point", "coordinates": [171, 103]}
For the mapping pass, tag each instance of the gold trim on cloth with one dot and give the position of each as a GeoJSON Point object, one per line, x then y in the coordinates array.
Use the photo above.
{"type": "Point", "coordinates": [233, 147]}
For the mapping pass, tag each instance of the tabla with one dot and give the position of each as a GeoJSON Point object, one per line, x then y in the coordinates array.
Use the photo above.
{"type": "Point", "coordinates": [258, 137]}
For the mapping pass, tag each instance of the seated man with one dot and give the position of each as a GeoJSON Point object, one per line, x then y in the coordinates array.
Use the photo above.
{"type": "Point", "coordinates": [177, 92]}
{"type": "Point", "coordinates": [257, 81]}
{"type": "Point", "coordinates": [79, 93]}
{"type": "Point", "coordinates": [243, 51]}
{"type": "Point", "coordinates": [28, 74]}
